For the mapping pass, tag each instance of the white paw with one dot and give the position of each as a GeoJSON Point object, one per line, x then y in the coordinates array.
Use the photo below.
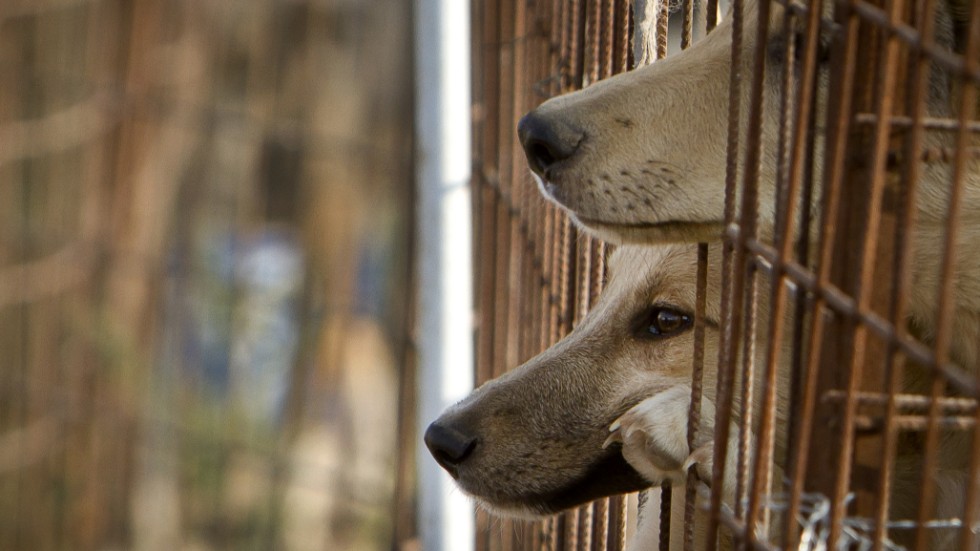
{"type": "Point", "coordinates": [653, 434]}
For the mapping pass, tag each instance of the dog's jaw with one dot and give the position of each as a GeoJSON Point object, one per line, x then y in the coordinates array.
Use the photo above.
{"type": "Point", "coordinates": [610, 475]}
{"type": "Point", "coordinates": [639, 233]}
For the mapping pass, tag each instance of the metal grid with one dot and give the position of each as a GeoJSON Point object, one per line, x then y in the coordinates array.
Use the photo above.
{"type": "Point", "coordinates": [876, 401]}
{"type": "Point", "coordinates": [186, 275]}
{"type": "Point", "coordinates": [854, 337]}
{"type": "Point", "coordinates": [536, 275]}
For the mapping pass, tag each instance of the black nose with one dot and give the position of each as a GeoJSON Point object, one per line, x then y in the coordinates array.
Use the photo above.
{"type": "Point", "coordinates": [547, 142]}
{"type": "Point", "coordinates": [449, 446]}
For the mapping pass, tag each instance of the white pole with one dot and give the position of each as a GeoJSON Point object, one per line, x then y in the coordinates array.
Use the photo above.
{"type": "Point", "coordinates": [445, 316]}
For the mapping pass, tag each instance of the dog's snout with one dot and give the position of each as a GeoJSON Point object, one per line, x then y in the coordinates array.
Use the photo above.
{"type": "Point", "coordinates": [546, 142]}
{"type": "Point", "coordinates": [449, 446]}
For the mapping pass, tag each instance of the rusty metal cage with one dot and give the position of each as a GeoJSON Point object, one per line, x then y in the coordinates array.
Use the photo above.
{"type": "Point", "coordinates": [865, 273]}
{"type": "Point", "coordinates": [536, 275]}
{"type": "Point", "coordinates": [191, 294]}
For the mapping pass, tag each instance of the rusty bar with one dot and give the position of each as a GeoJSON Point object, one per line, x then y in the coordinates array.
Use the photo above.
{"type": "Point", "coordinates": [938, 54]}
{"type": "Point", "coordinates": [666, 493]}
{"type": "Point", "coordinates": [927, 123]}
{"type": "Point", "coordinates": [697, 379]}
{"type": "Point", "coordinates": [601, 527]}
{"type": "Point", "coordinates": [622, 507]}
{"type": "Point", "coordinates": [802, 142]}
{"type": "Point", "coordinates": [747, 220]}
{"type": "Point", "coordinates": [968, 105]}
{"type": "Point", "coordinates": [786, 198]}
{"type": "Point", "coordinates": [575, 51]}
{"type": "Point", "coordinates": [907, 402]}
{"type": "Point", "coordinates": [860, 353]}
{"type": "Point", "coordinates": [593, 33]}
{"type": "Point", "coordinates": [586, 521]}
{"type": "Point", "coordinates": [737, 527]}
{"type": "Point", "coordinates": [607, 48]}
{"type": "Point", "coordinates": [944, 328]}
{"type": "Point", "coordinates": [833, 298]}
{"type": "Point", "coordinates": [663, 18]}
{"type": "Point", "coordinates": [732, 263]}
{"type": "Point", "coordinates": [841, 82]}
{"type": "Point", "coordinates": [910, 423]}
{"type": "Point", "coordinates": [967, 535]}
{"type": "Point", "coordinates": [622, 16]}
{"type": "Point", "coordinates": [571, 519]}
{"type": "Point", "coordinates": [918, 73]}
{"type": "Point", "coordinates": [746, 413]}
{"type": "Point", "coordinates": [711, 16]}
{"type": "Point", "coordinates": [687, 24]}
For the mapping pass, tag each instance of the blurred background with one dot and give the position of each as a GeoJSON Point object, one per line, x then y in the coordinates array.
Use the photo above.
{"type": "Point", "coordinates": [205, 240]}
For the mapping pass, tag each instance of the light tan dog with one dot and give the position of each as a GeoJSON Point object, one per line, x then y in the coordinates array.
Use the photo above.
{"type": "Point", "coordinates": [552, 434]}
{"type": "Point", "coordinates": [605, 410]}
{"type": "Point", "coordinates": [641, 158]}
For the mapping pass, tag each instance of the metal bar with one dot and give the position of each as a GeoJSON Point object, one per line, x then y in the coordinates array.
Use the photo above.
{"type": "Point", "coordinates": [747, 219]}
{"type": "Point", "coordinates": [602, 528]}
{"type": "Point", "coordinates": [697, 380]}
{"type": "Point", "coordinates": [666, 495]}
{"type": "Point", "coordinates": [608, 35]}
{"type": "Point", "coordinates": [906, 402]}
{"type": "Point", "coordinates": [732, 263]}
{"type": "Point", "coordinates": [860, 354]}
{"type": "Point", "coordinates": [907, 423]}
{"type": "Point", "coordinates": [663, 18]}
{"type": "Point", "coordinates": [927, 123]}
{"type": "Point", "coordinates": [967, 535]}
{"type": "Point", "coordinates": [944, 325]}
{"type": "Point", "coordinates": [834, 298]}
{"type": "Point", "coordinates": [746, 411]}
{"type": "Point", "coordinates": [938, 54]}
{"type": "Point", "coordinates": [802, 142]}
{"type": "Point", "coordinates": [918, 73]}
{"type": "Point", "coordinates": [687, 24]}
{"type": "Point", "coordinates": [841, 83]}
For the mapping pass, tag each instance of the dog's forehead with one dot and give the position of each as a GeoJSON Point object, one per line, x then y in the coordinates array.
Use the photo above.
{"type": "Point", "coordinates": [654, 269]}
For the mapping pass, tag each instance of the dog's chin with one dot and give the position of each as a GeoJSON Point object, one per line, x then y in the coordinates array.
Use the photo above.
{"type": "Point", "coordinates": [647, 233]}
{"type": "Point", "coordinates": [609, 476]}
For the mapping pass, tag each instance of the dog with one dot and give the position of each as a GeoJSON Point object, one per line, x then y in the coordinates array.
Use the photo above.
{"type": "Point", "coordinates": [638, 160]}
{"type": "Point", "coordinates": [641, 157]}
{"type": "Point", "coordinates": [603, 411]}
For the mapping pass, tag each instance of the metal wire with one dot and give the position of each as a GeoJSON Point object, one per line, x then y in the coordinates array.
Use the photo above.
{"type": "Point", "coordinates": [832, 275]}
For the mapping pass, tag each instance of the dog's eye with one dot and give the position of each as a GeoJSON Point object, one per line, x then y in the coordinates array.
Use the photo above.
{"type": "Point", "coordinates": [661, 321]}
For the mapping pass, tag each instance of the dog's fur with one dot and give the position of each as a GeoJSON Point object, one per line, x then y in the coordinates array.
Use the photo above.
{"type": "Point", "coordinates": [543, 430]}
{"type": "Point", "coordinates": [553, 433]}
{"type": "Point", "coordinates": [650, 152]}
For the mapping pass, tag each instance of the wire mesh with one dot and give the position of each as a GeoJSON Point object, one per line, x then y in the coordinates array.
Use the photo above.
{"type": "Point", "coordinates": [202, 221]}
{"type": "Point", "coordinates": [537, 276]}
{"type": "Point", "coordinates": [847, 366]}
